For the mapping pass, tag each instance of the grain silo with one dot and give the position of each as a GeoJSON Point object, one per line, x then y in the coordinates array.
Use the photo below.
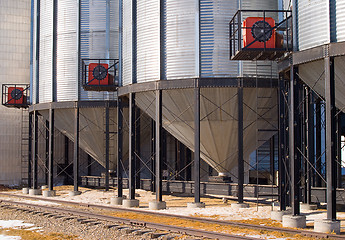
{"type": "Point", "coordinates": [15, 71]}
{"type": "Point", "coordinates": [173, 50]}
{"type": "Point", "coordinates": [75, 73]}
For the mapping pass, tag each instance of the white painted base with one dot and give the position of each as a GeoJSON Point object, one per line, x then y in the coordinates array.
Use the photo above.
{"type": "Point", "coordinates": [25, 190]}
{"type": "Point", "coordinates": [44, 187]}
{"type": "Point", "coordinates": [308, 207]}
{"type": "Point", "coordinates": [49, 193]}
{"type": "Point", "coordinates": [239, 205]}
{"type": "Point", "coordinates": [33, 192]}
{"type": "Point", "coordinates": [196, 205]}
{"type": "Point", "coordinates": [156, 205]}
{"type": "Point", "coordinates": [277, 215]}
{"type": "Point", "coordinates": [327, 226]}
{"type": "Point", "coordinates": [292, 221]}
{"type": "Point", "coordinates": [74, 193]}
{"type": "Point", "coordinates": [116, 200]}
{"type": "Point", "coordinates": [129, 203]}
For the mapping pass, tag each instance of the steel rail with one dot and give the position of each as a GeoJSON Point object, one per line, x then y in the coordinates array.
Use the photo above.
{"type": "Point", "coordinates": [138, 223]}
{"type": "Point", "coordinates": [204, 220]}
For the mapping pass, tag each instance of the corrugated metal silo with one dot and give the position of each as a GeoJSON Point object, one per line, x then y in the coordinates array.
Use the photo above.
{"type": "Point", "coordinates": [14, 69]}
{"type": "Point", "coordinates": [187, 56]}
{"type": "Point", "coordinates": [96, 35]}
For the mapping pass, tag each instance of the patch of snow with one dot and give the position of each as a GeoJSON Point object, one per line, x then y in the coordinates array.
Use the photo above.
{"type": "Point", "coordinates": [14, 224]}
{"type": "Point", "coordinates": [3, 237]}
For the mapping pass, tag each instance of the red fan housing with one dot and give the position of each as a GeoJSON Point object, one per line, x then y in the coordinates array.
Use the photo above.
{"type": "Point", "coordinates": [15, 96]}
{"type": "Point", "coordinates": [258, 32]}
{"type": "Point", "coordinates": [98, 74]}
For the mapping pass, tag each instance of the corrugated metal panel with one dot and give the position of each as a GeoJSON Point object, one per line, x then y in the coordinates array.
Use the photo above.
{"type": "Point", "coordinates": [93, 38]}
{"type": "Point", "coordinates": [127, 42]}
{"type": "Point", "coordinates": [340, 20]}
{"type": "Point", "coordinates": [67, 63]}
{"type": "Point", "coordinates": [181, 38]}
{"type": "Point", "coordinates": [14, 68]}
{"type": "Point", "coordinates": [313, 23]}
{"type": "Point", "coordinates": [260, 68]}
{"type": "Point", "coordinates": [215, 17]}
{"type": "Point", "coordinates": [148, 37]}
{"type": "Point", "coordinates": [34, 69]}
{"type": "Point", "coordinates": [46, 45]}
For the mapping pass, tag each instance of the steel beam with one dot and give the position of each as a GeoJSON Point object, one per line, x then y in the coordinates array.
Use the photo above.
{"type": "Point", "coordinates": [153, 158]}
{"type": "Point", "coordinates": [311, 143]}
{"type": "Point", "coordinates": [294, 142]}
{"type": "Point", "coordinates": [159, 145]}
{"type": "Point", "coordinates": [131, 146]}
{"type": "Point", "coordinates": [240, 145]}
{"type": "Point", "coordinates": [46, 166]}
{"type": "Point", "coordinates": [107, 148]}
{"type": "Point", "coordinates": [30, 151]}
{"type": "Point", "coordinates": [76, 150]}
{"type": "Point", "coordinates": [51, 150]}
{"type": "Point", "coordinates": [281, 149]}
{"type": "Point", "coordinates": [272, 153]}
{"type": "Point", "coordinates": [119, 147]}
{"type": "Point", "coordinates": [197, 144]}
{"type": "Point", "coordinates": [137, 147]}
{"type": "Point", "coordinates": [35, 152]}
{"type": "Point", "coordinates": [318, 139]}
{"type": "Point", "coordinates": [338, 149]}
{"type": "Point", "coordinates": [330, 138]}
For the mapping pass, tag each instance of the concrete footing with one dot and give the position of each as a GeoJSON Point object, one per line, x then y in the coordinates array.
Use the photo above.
{"type": "Point", "coordinates": [327, 226]}
{"type": "Point", "coordinates": [129, 203]}
{"type": "Point", "coordinates": [277, 215]}
{"type": "Point", "coordinates": [116, 200]}
{"type": "Point", "coordinates": [49, 193]}
{"type": "Point", "coordinates": [195, 205]}
{"type": "Point", "coordinates": [308, 207]}
{"type": "Point", "coordinates": [294, 221]}
{"type": "Point", "coordinates": [25, 190]}
{"type": "Point", "coordinates": [33, 192]}
{"type": "Point", "coordinates": [44, 187]}
{"type": "Point", "coordinates": [74, 193]}
{"type": "Point", "coordinates": [157, 205]}
{"type": "Point", "coordinates": [239, 205]}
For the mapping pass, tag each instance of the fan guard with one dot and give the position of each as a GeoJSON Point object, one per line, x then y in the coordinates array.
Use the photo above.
{"type": "Point", "coordinates": [262, 31]}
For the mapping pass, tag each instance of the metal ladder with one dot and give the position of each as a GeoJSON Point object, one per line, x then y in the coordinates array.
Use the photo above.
{"type": "Point", "coordinates": [24, 146]}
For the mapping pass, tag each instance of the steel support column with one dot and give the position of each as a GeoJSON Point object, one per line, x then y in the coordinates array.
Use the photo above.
{"type": "Point", "coordinates": [30, 150]}
{"type": "Point", "coordinates": [137, 147]}
{"type": "Point", "coordinates": [51, 150]}
{"type": "Point", "coordinates": [76, 150]}
{"type": "Point", "coordinates": [272, 170]}
{"type": "Point", "coordinates": [197, 144]}
{"type": "Point", "coordinates": [153, 150]}
{"type": "Point", "coordinates": [318, 139]}
{"type": "Point", "coordinates": [240, 145]}
{"type": "Point", "coordinates": [338, 149]}
{"type": "Point", "coordinates": [310, 142]}
{"type": "Point", "coordinates": [159, 146]}
{"type": "Point", "coordinates": [294, 142]}
{"type": "Point", "coordinates": [35, 152]}
{"type": "Point", "coordinates": [46, 164]}
{"type": "Point", "coordinates": [330, 138]}
{"type": "Point", "coordinates": [119, 147]}
{"type": "Point", "coordinates": [131, 146]}
{"type": "Point", "coordinates": [281, 149]}
{"type": "Point", "coordinates": [107, 147]}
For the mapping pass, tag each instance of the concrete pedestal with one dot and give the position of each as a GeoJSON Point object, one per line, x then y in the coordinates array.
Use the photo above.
{"type": "Point", "coordinates": [327, 226]}
{"type": "Point", "coordinates": [308, 207]}
{"type": "Point", "coordinates": [239, 205]}
{"type": "Point", "coordinates": [116, 200]}
{"type": "Point", "coordinates": [196, 205]}
{"type": "Point", "coordinates": [25, 190]}
{"type": "Point", "coordinates": [294, 221]}
{"type": "Point", "coordinates": [49, 193]}
{"type": "Point", "coordinates": [74, 193]}
{"type": "Point", "coordinates": [44, 187]}
{"type": "Point", "coordinates": [277, 215]}
{"type": "Point", "coordinates": [156, 205]}
{"type": "Point", "coordinates": [33, 192]}
{"type": "Point", "coordinates": [129, 203]}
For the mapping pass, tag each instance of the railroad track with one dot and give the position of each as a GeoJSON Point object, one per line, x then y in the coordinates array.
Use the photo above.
{"type": "Point", "coordinates": [193, 232]}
